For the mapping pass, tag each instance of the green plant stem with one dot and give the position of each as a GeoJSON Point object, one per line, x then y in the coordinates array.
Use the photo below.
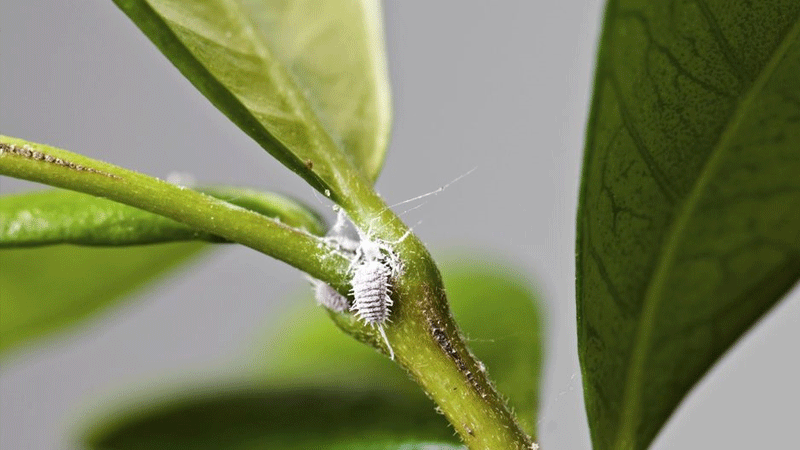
{"type": "Point", "coordinates": [56, 167]}
{"type": "Point", "coordinates": [425, 338]}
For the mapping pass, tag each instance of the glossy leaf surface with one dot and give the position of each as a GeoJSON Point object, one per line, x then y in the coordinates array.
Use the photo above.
{"type": "Point", "coordinates": [318, 388]}
{"type": "Point", "coordinates": [262, 63]}
{"type": "Point", "coordinates": [45, 289]}
{"type": "Point", "coordinates": [68, 217]}
{"type": "Point", "coordinates": [688, 226]}
{"type": "Point", "coordinates": [335, 51]}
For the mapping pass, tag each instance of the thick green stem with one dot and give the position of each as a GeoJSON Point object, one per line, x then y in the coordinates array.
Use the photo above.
{"type": "Point", "coordinates": [56, 167]}
{"type": "Point", "coordinates": [425, 338]}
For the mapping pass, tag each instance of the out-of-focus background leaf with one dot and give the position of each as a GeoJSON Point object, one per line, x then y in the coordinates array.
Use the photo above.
{"type": "Point", "coordinates": [689, 220]}
{"type": "Point", "coordinates": [262, 63]}
{"type": "Point", "coordinates": [50, 287]}
{"type": "Point", "coordinates": [45, 289]}
{"type": "Point", "coordinates": [309, 367]}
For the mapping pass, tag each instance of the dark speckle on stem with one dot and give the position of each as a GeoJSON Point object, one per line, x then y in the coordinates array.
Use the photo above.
{"type": "Point", "coordinates": [26, 151]}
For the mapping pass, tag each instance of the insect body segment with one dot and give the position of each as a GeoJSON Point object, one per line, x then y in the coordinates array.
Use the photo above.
{"type": "Point", "coordinates": [373, 269]}
{"type": "Point", "coordinates": [372, 291]}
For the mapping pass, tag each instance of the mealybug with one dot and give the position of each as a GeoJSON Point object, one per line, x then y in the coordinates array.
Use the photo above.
{"type": "Point", "coordinates": [374, 265]}
{"type": "Point", "coordinates": [329, 298]}
{"type": "Point", "coordinates": [372, 289]}
{"type": "Point", "coordinates": [374, 268]}
{"type": "Point", "coordinates": [344, 240]}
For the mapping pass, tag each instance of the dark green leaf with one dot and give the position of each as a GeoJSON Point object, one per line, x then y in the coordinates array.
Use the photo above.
{"type": "Point", "coordinates": [688, 227]}
{"type": "Point", "coordinates": [248, 418]}
{"type": "Point", "coordinates": [263, 72]}
{"type": "Point", "coordinates": [48, 288]}
{"type": "Point", "coordinates": [67, 217]}
{"type": "Point", "coordinates": [496, 309]}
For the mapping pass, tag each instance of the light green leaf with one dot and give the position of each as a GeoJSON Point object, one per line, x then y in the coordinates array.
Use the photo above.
{"type": "Point", "coordinates": [335, 51]}
{"type": "Point", "coordinates": [67, 217]}
{"type": "Point", "coordinates": [48, 288]}
{"type": "Point", "coordinates": [495, 308]}
{"type": "Point", "coordinates": [235, 417]}
{"type": "Point", "coordinates": [688, 227]}
{"type": "Point", "coordinates": [260, 63]}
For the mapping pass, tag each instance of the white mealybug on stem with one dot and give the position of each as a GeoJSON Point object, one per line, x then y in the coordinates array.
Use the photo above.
{"type": "Point", "coordinates": [374, 268]}
{"type": "Point", "coordinates": [372, 301]}
{"type": "Point", "coordinates": [372, 289]}
{"type": "Point", "coordinates": [328, 297]}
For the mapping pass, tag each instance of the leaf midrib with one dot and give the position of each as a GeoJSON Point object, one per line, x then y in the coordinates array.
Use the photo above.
{"type": "Point", "coordinates": [655, 289]}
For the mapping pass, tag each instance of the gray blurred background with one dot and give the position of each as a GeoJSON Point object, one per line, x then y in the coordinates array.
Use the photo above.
{"type": "Point", "coordinates": [501, 86]}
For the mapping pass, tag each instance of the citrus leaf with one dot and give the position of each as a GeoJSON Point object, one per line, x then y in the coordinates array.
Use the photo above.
{"type": "Point", "coordinates": [68, 217]}
{"type": "Point", "coordinates": [261, 72]}
{"type": "Point", "coordinates": [235, 417]}
{"type": "Point", "coordinates": [495, 308]}
{"type": "Point", "coordinates": [48, 288]}
{"type": "Point", "coordinates": [335, 51]}
{"type": "Point", "coordinates": [688, 228]}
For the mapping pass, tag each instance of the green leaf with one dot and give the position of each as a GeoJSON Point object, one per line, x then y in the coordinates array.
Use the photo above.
{"type": "Point", "coordinates": [233, 417]}
{"type": "Point", "coordinates": [48, 288]}
{"type": "Point", "coordinates": [495, 307]}
{"type": "Point", "coordinates": [260, 63]}
{"type": "Point", "coordinates": [688, 228]}
{"type": "Point", "coordinates": [67, 217]}
{"type": "Point", "coordinates": [335, 51]}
